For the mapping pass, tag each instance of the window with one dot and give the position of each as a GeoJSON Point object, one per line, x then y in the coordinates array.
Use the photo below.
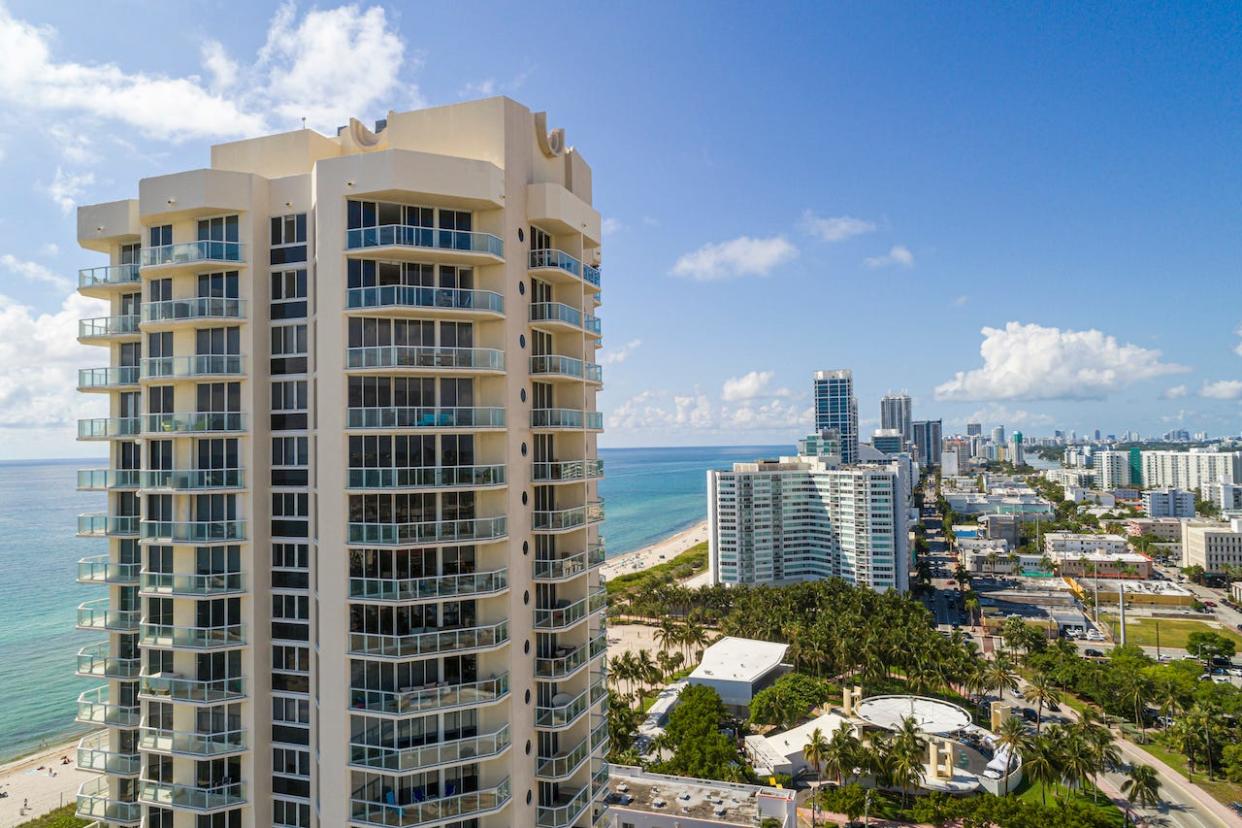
{"type": "Point", "coordinates": [292, 814]}
{"type": "Point", "coordinates": [160, 235]}
{"type": "Point", "coordinates": [289, 294]}
{"type": "Point", "coordinates": [289, 349]}
{"type": "Point", "coordinates": [290, 456]}
{"type": "Point", "coordinates": [288, 239]}
{"type": "Point", "coordinates": [218, 285]}
{"type": "Point", "coordinates": [289, 405]}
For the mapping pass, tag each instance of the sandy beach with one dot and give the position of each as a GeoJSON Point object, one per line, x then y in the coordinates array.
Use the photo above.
{"type": "Point", "coordinates": [658, 552]}
{"type": "Point", "coordinates": [22, 780]}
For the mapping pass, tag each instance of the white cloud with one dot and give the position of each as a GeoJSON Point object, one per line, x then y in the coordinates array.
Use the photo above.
{"type": "Point", "coordinates": [961, 300]}
{"type": "Point", "coordinates": [1004, 415]}
{"type": "Point", "coordinates": [742, 256]}
{"type": "Point", "coordinates": [74, 144]}
{"type": "Point", "coordinates": [611, 226]}
{"type": "Point", "coordinates": [836, 228]}
{"type": "Point", "coordinates": [1222, 390]}
{"type": "Point", "coordinates": [224, 70]}
{"type": "Point", "coordinates": [479, 89]}
{"type": "Point", "coordinates": [1175, 393]}
{"type": "Point", "coordinates": [897, 255]}
{"type": "Point", "coordinates": [747, 386]}
{"type": "Point", "coordinates": [621, 354]}
{"type": "Point", "coordinates": [1237, 349]}
{"type": "Point", "coordinates": [34, 272]}
{"type": "Point", "coordinates": [67, 188]}
{"type": "Point", "coordinates": [1033, 362]}
{"type": "Point", "coordinates": [50, 249]}
{"type": "Point", "coordinates": [695, 411]}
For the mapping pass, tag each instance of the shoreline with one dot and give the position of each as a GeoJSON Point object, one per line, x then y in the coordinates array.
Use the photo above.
{"type": "Point", "coordinates": [24, 783]}
{"type": "Point", "coordinates": [662, 550]}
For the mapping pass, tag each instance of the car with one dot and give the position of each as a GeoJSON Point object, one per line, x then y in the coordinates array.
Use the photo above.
{"type": "Point", "coordinates": [1029, 714]}
{"type": "Point", "coordinates": [950, 582]}
{"type": "Point", "coordinates": [1090, 653]}
{"type": "Point", "coordinates": [1093, 635]}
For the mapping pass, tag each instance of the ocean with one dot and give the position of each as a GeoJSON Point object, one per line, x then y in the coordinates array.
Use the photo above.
{"type": "Point", "coordinates": [649, 494]}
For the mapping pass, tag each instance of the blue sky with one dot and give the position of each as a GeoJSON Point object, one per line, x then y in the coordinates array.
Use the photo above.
{"type": "Point", "coordinates": [1024, 214]}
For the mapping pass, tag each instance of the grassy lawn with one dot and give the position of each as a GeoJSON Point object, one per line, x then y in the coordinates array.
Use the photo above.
{"type": "Point", "coordinates": [60, 818]}
{"type": "Point", "coordinates": [1222, 790]}
{"type": "Point", "coordinates": [1173, 631]}
{"type": "Point", "coordinates": [686, 565]}
{"type": "Point", "coordinates": [1034, 792]}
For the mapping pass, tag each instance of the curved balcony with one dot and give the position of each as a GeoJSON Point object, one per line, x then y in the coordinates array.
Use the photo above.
{"type": "Point", "coordinates": [429, 477]}
{"type": "Point", "coordinates": [94, 708]}
{"type": "Point", "coordinates": [192, 797]}
{"type": "Point", "coordinates": [471, 530]}
{"type": "Point", "coordinates": [456, 301]}
{"type": "Point", "coordinates": [168, 313]}
{"type": "Point", "coordinates": [559, 316]}
{"type": "Point", "coordinates": [462, 806]}
{"type": "Point", "coordinates": [394, 417]}
{"type": "Point", "coordinates": [188, 480]}
{"type": "Point", "coordinates": [563, 765]}
{"type": "Point", "coordinates": [96, 801]}
{"type": "Point", "coordinates": [94, 755]}
{"type": "Point", "coordinates": [420, 700]}
{"type": "Point", "coordinates": [190, 585]}
{"type": "Point", "coordinates": [192, 253]}
{"type": "Point", "coordinates": [568, 711]}
{"type": "Point", "coordinates": [194, 422]}
{"type": "Point", "coordinates": [437, 587]}
{"type": "Point", "coordinates": [100, 480]}
{"type": "Point", "coordinates": [570, 805]}
{"type": "Point", "coordinates": [107, 328]}
{"type": "Point", "coordinates": [192, 638]}
{"type": "Point", "coordinates": [572, 613]}
{"type": "Point", "coordinates": [416, 358]}
{"type": "Point", "coordinates": [97, 615]}
{"type": "Point", "coordinates": [192, 367]}
{"type": "Point", "coordinates": [96, 280]}
{"type": "Point", "coordinates": [97, 661]}
{"type": "Point", "coordinates": [565, 520]}
{"type": "Point", "coordinates": [465, 245]}
{"type": "Point", "coordinates": [569, 660]}
{"type": "Point", "coordinates": [556, 366]}
{"type": "Point", "coordinates": [100, 525]}
{"type": "Point", "coordinates": [432, 642]}
{"type": "Point", "coordinates": [108, 428]}
{"type": "Point", "coordinates": [567, 471]}
{"type": "Point", "coordinates": [570, 566]}
{"type": "Point", "coordinates": [100, 569]}
{"type": "Point", "coordinates": [434, 755]}
{"type": "Point", "coordinates": [185, 743]}
{"type": "Point", "coordinates": [108, 379]}
{"type": "Point", "coordinates": [548, 419]}
{"type": "Point", "coordinates": [194, 531]}
{"type": "Point", "coordinates": [168, 687]}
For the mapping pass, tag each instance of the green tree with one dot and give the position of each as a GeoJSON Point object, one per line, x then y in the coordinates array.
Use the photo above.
{"type": "Point", "coordinates": [1013, 737]}
{"type": "Point", "coordinates": [814, 751]}
{"type": "Point", "coordinates": [1142, 787]}
{"type": "Point", "coordinates": [1209, 645]}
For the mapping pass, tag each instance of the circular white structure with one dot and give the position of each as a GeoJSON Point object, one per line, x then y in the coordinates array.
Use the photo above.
{"type": "Point", "coordinates": [932, 716]}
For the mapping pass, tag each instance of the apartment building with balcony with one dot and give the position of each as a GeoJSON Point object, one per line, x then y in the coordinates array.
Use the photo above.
{"type": "Point", "coordinates": [353, 531]}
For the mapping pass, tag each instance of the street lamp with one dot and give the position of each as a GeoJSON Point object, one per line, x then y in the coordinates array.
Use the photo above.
{"type": "Point", "coordinates": [866, 799]}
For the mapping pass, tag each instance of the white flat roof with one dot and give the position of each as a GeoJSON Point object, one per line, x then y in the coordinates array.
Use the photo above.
{"type": "Point", "coordinates": [739, 659]}
{"type": "Point", "coordinates": [792, 741]}
{"type": "Point", "coordinates": [933, 717]}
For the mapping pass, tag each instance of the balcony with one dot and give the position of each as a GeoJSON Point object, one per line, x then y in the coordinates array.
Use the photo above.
{"type": "Point", "coordinates": [458, 301]}
{"type": "Point", "coordinates": [100, 569]}
{"type": "Point", "coordinates": [97, 615]}
{"type": "Point", "coordinates": [184, 743]}
{"type": "Point", "coordinates": [107, 328]}
{"type": "Point", "coordinates": [200, 308]}
{"type": "Point", "coordinates": [94, 755]}
{"type": "Point", "coordinates": [565, 764]}
{"type": "Point", "coordinates": [570, 566]}
{"type": "Point", "coordinates": [100, 480]}
{"type": "Point", "coordinates": [96, 801]}
{"type": "Point", "coordinates": [567, 661]}
{"type": "Point", "coordinates": [430, 531]}
{"type": "Point", "coordinates": [169, 687]}
{"type": "Point", "coordinates": [429, 477]}
{"type": "Point", "coordinates": [433, 642]}
{"type": "Point", "coordinates": [194, 531]}
{"type": "Point", "coordinates": [192, 638]}
{"type": "Point", "coordinates": [561, 316]}
{"type": "Point", "coordinates": [192, 253]}
{"type": "Point", "coordinates": [566, 418]}
{"type": "Point", "coordinates": [95, 708]}
{"type": "Point", "coordinates": [193, 479]}
{"type": "Point", "coordinates": [464, 244]}
{"type": "Point", "coordinates": [192, 367]}
{"type": "Point", "coordinates": [437, 418]}
{"type": "Point", "coordinates": [108, 428]}
{"type": "Point", "coordinates": [566, 713]}
{"type": "Point", "coordinates": [92, 280]}
{"type": "Point", "coordinates": [439, 360]}
{"type": "Point", "coordinates": [420, 700]}
{"type": "Point", "coordinates": [190, 585]}
{"type": "Point", "coordinates": [169, 795]}
{"type": "Point", "coordinates": [434, 755]}
{"type": "Point", "coordinates": [566, 809]}
{"type": "Point", "coordinates": [572, 613]}
{"type": "Point", "coordinates": [564, 520]}
{"type": "Point", "coordinates": [555, 366]}
{"type": "Point", "coordinates": [567, 471]}
{"type": "Point", "coordinates": [108, 379]}
{"type": "Point", "coordinates": [462, 806]}
{"type": "Point", "coordinates": [436, 587]}
{"type": "Point", "coordinates": [101, 525]}
{"type": "Point", "coordinates": [97, 661]}
{"type": "Point", "coordinates": [194, 422]}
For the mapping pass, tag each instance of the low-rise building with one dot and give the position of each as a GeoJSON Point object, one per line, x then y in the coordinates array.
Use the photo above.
{"type": "Point", "coordinates": [641, 799]}
{"type": "Point", "coordinates": [1225, 496]}
{"type": "Point", "coordinates": [1169, 503]}
{"type": "Point", "coordinates": [1057, 544]}
{"type": "Point", "coordinates": [1001, 527]}
{"type": "Point", "coordinates": [1078, 478]}
{"type": "Point", "coordinates": [1212, 546]}
{"type": "Point", "coordinates": [994, 557]}
{"type": "Point", "coordinates": [737, 668]}
{"type": "Point", "coordinates": [1104, 565]}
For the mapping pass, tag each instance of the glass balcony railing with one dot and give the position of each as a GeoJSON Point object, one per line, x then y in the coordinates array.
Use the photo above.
{"type": "Point", "coordinates": [101, 378]}
{"type": "Point", "coordinates": [566, 661]}
{"type": "Point", "coordinates": [97, 661]}
{"type": "Point", "coordinates": [190, 479]}
{"type": "Point", "coordinates": [176, 688]}
{"type": "Point", "coordinates": [454, 751]}
{"type": "Point", "coordinates": [192, 253]}
{"type": "Point", "coordinates": [563, 366]}
{"type": "Point", "coordinates": [408, 356]}
{"type": "Point", "coordinates": [95, 480]}
{"type": "Point", "coordinates": [105, 326]}
{"type": "Point", "coordinates": [107, 428]}
{"type": "Point", "coordinates": [431, 238]}
{"type": "Point", "coordinates": [568, 470]}
{"type": "Point", "coordinates": [413, 296]}
{"type": "Point", "coordinates": [99, 525]}
{"type": "Point", "coordinates": [171, 583]}
{"type": "Point", "coordinates": [564, 519]}
{"type": "Point", "coordinates": [98, 615]}
{"type": "Point", "coordinates": [436, 587]}
{"type": "Point", "coordinates": [560, 618]}
{"type": "Point", "coordinates": [194, 638]}
{"type": "Point", "coordinates": [427, 477]}
{"type": "Point", "coordinates": [95, 708]}
{"type": "Point", "coordinates": [564, 764]}
{"type": "Point", "coordinates": [558, 312]}
{"type": "Point", "coordinates": [99, 569]}
{"type": "Point", "coordinates": [94, 754]}
{"type": "Point", "coordinates": [404, 417]}
{"type": "Point", "coordinates": [591, 275]}
{"type": "Point", "coordinates": [169, 795]}
{"type": "Point", "coordinates": [461, 806]}
{"type": "Point", "coordinates": [194, 422]}
{"type": "Point", "coordinates": [431, 531]}
{"type": "Point", "coordinates": [107, 276]}
{"type": "Point", "coordinates": [199, 307]}
{"type": "Point", "coordinates": [428, 643]}
{"type": "Point", "coordinates": [557, 259]}
{"type": "Point", "coordinates": [192, 744]}
{"type": "Point", "coordinates": [569, 566]}
{"type": "Point", "coordinates": [565, 809]}
{"type": "Point", "coordinates": [194, 531]}
{"type": "Point", "coordinates": [430, 697]}
{"type": "Point", "coordinates": [97, 801]}
{"type": "Point", "coordinates": [182, 367]}
{"type": "Point", "coordinates": [566, 418]}
{"type": "Point", "coordinates": [560, 716]}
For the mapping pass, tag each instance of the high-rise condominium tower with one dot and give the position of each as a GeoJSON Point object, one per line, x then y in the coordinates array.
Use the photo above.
{"type": "Point", "coordinates": [836, 407]}
{"type": "Point", "coordinates": [352, 533]}
{"type": "Point", "coordinates": [895, 412]}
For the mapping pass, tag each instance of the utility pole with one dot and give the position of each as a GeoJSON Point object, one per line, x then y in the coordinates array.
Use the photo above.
{"type": "Point", "coordinates": [1121, 602]}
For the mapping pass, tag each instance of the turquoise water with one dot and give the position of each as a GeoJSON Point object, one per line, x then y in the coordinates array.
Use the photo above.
{"type": "Point", "coordinates": [649, 494]}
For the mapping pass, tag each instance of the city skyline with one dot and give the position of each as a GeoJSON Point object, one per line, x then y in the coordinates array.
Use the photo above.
{"type": "Point", "coordinates": [1017, 281]}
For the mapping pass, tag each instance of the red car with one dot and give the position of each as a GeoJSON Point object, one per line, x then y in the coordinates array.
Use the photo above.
{"type": "Point", "coordinates": [951, 583]}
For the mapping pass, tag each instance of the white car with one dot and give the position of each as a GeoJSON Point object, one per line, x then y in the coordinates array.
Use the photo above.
{"type": "Point", "coordinates": [1094, 635]}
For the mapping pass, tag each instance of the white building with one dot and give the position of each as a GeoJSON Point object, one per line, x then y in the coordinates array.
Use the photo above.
{"type": "Point", "coordinates": [641, 799]}
{"type": "Point", "coordinates": [1174, 503]}
{"type": "Point", "coordinates": [738, 668]}
{"type": "Point", "coordinates": [1058, 544]}
{"type": "Point", "coordinates": [1226, 496]}
{"type": "Point", "coordinates": [1212, 546]}
{"type": "Point", "coordinates": [781, 752]}
{"type": "Point", "coordinates": [1067, 478]}
{"type": "Point", "coordinates": [1112, 469]}
{"type": "Point", "coordinates": [1192, 469]}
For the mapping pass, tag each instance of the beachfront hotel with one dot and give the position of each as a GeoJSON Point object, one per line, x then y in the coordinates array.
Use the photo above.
{"type": "Point", "coordinates": [350, 555]}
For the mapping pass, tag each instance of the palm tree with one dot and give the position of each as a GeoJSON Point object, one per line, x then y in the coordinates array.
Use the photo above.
{"type": "Point", "coordinates": [1142, 787]}
{"type": "Point", "coordinates": [695, 638]}
{"type": "Point", "coordinates": [970, 603]}
{"type": "Point", "coordinates": [842, 753]}
{"type": "Point", "coordinates": [666, 634]}
{"type": "Point", "coordinates": [1001, 675]}
{"type": "Point", "coordinates": [1041, 691]}
{"type": "Point", "coordinates": [1099, 744]}
{"type": "Point", "coordinates": [1041, 762]}
{"type": "Point", "coordinates": [1077, 759]}
{"type": "Point", "coordinates": [908, 749]}
{"type": "Point", "coordinates": [814, 752]}
{"type": "Point", "coordinates": [1012, 735]}
{"type": "Point", "coordinates": [647, 671]}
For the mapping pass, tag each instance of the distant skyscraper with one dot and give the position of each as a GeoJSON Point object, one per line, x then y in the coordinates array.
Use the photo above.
{"type": "Point", "coordinates": [927, 434]}
{"type": "Point", "coordinates": [998, 435]}
{"type": "Point", "coordinates": [895, 413]}
{"type": "Point", "coordinates": [888, 440]}
{"type": "Point", "coordinates": [974, 429]}
{"type": "Point", "coordinates": [836, 407]}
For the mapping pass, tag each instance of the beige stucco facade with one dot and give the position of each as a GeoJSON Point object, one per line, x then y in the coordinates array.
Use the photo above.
{"type": "Point", "coordinates": [353, 532]}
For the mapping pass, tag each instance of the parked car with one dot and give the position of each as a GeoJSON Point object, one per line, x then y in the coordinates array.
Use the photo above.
{"type": "Point", "coordinates": [1029, 714]}
{"type": "Point", "coordinates": [1089, 653]}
